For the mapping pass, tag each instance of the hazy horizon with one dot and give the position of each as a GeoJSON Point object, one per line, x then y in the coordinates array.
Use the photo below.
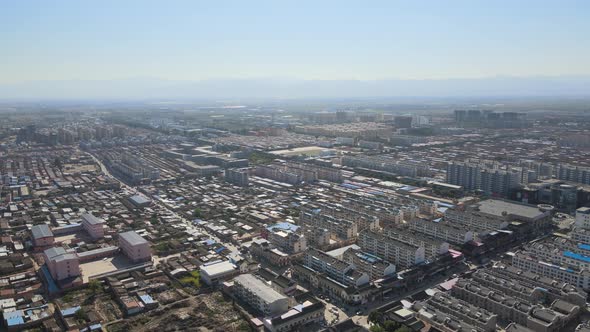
{"type": "Point", "coordinates": [177, 49]}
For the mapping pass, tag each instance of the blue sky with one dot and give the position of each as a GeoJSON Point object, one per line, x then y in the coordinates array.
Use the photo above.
{"type": "Point", "coordinates": [196, 40]}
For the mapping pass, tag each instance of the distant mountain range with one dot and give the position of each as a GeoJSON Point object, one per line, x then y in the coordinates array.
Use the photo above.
{"type": "Point", "coordinates": [295, 88]}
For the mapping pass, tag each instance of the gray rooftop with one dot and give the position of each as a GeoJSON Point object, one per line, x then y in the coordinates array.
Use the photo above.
{"type": "Point", "coordinates": [41, 231]}
{"type": "Point", "coordinates": [132, 238]}
{"type": "Point", "coordinates": [54, 252]}
{"type": "Point", "coordinates": [91, 219]}
{"type": "Point", "coordinates": [139, 199]}
{"type": "Point", "coordinates": [497, 207]}
{"type": "Point", "coordinates": [256, 286]}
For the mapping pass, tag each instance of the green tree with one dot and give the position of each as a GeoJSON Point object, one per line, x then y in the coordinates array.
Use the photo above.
{"type": "Point", "coordinates": [197, 213]}
{"type": "Point", "coordinates": [376, 317]}
{"type": "Point", "coordinates": [390, 326]}
{"type": "Point", "coordinates": [94, 286]}
{"type": "Point", "coordinates": [403, 329]}
{"type": "Point", "coordinates": [376, 328]}
{"type": "Point", "coordinates": [81, 316]}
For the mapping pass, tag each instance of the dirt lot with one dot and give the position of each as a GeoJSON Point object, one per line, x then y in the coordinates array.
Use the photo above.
{"type": "Point", "coordinates": [209, 312]}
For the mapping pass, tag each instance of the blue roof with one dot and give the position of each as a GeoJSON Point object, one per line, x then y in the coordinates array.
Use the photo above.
{"type": "Point", "coordinates": [14, 318]}
{"type": "Point", "coordinates": [146, 299]}
{"type": "Point", "coordinates": [209, 242]}
{"type": "Point", "coordinates": [579, 257]}
{"type": "Point", "coordinates": [584, 246]}
{"type": "Point", "coordinates": [218, 250]}
{"type": "Point", "coordinates": [286, 226]}
{"type": "Point", "coordinates": [70, 311]}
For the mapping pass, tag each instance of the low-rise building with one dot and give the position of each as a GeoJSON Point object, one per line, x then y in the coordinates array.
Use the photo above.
{"type": "Point", "coordinates": [62, 264]}
{"type": "Point", "coordinates": [42, 235]}
{"type": "Point", "coordinates": [214, 272]}
{"type": "Point", "coordinates": [93, 226]}
{"type": "Point", "coordinates": [259, 295]}
{"type": "Point", "coordinates": [135, 247]}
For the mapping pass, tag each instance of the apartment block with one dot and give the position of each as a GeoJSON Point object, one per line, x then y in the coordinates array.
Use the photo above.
{"type": "Point", "coordinates": [334, 268]}
{"type": "Point", "coordinates": [42, 235]}
{"type": "Point", "coordinates": [571, 275]}
{"type": "Point", "coordinates": [444, 231]}
{"type": "Point", "coordinates": [400, 253]}
{"type": "Point", "coordinates": [372, 265]}
{"type": "Point", "coordinates": [432, 247]}
{"type": "Point", "coordinates": [135, 247]}
{"type": "Point", "coordinates": [463, 311]}
{"type": "Point", "coordinates": [93, 226]}
{"type": "Point", "coordinates": [61, 263]}
{"type": "Point", "coordinates": [583, 218]}
{"type": "Point", "coordinates": [535, 317]}
{"type": "Point", "coordinates": [259, 295]}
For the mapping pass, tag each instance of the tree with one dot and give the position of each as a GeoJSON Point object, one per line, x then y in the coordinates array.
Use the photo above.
{"type": "Point", "coordinates": [404, 329]}
{"type": "Point", "coordinates": [94, 286]}
{"type": "Point", "coordinates": [81, 315]}
{"type": "Point", "coordinates": [390, 326]}
{"type": "Point", "coordinates": [376, 328]}
{"type": "Point", "coordinates": [197, 213]}
{"type": "Point", "coordinates": [376, 317]}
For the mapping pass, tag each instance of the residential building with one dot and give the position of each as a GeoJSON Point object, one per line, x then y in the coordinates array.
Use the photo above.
{"type": "Point", "coordinates": [61, 263]}
{"type": "Point", "coordinates": [336, 269]}
{"type": "Point", "coordinates": [93, 226]}
{"type": "Point", "coordinates": [400, 253]}
{"type": "Point", "coordinates": [135, 247]}
{"type": "Point", "coordinates": [439, 229]}
{"type": "Point", "coordinates": [259, 295]}
{"type": "Point", "coordinates": [42, 235]}
{"type": "Point", "coordinates": [583, 218]}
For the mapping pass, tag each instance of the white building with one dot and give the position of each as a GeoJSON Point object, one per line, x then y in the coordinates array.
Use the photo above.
{"type": "Point", "coordinates": [259, 295]}
{"type": "Point", "coordinates": [402, 254]}
{"type": "Point", "coordinates": [583, 218]}
{"type": "Point", "coordinates": [213, 273]}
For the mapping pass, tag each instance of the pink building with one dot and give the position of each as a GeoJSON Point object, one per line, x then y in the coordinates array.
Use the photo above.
{"type": "Point", "coordinates": [93, 226]}
{"type": "Point", "coordinates": [61, 264]}
{"type": "Point", "coordinates": [135, 247]}
{"type": "Point", "coordinates": [42, 236]}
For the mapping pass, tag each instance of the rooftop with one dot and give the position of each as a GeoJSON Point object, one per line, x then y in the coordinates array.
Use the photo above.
{"type": "Point", "coordinates": [132, 238]}
{"type": "Point", "coordinates": [91, 219]}
{"type": "Point", "coordinates": [255, 285]}
{"type": "Point", "coordinates": [41, 231]}
{"type": "Point", "coordinates": [498, 207]}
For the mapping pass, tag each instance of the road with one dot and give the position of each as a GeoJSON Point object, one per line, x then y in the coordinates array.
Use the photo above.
{"type": "Point", "coordinates": [188, 224]}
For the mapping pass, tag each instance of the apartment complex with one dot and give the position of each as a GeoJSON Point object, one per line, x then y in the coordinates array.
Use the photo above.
{"type": "Point", "coordinates": [533, 316]}
{"type": "Point", "coordinates": [489, 179]}
{"type": "Point", "coordinates": [573, 173]}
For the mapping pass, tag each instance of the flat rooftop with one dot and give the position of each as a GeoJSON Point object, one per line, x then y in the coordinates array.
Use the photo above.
{"type": "Point", "coordinates": [498, 207]}
{"type": "Point", "coordinates": [256, 286]}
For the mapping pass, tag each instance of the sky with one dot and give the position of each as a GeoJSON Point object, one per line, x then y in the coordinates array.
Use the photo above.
{"type": "Point", "coordinates": [312, 40]}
